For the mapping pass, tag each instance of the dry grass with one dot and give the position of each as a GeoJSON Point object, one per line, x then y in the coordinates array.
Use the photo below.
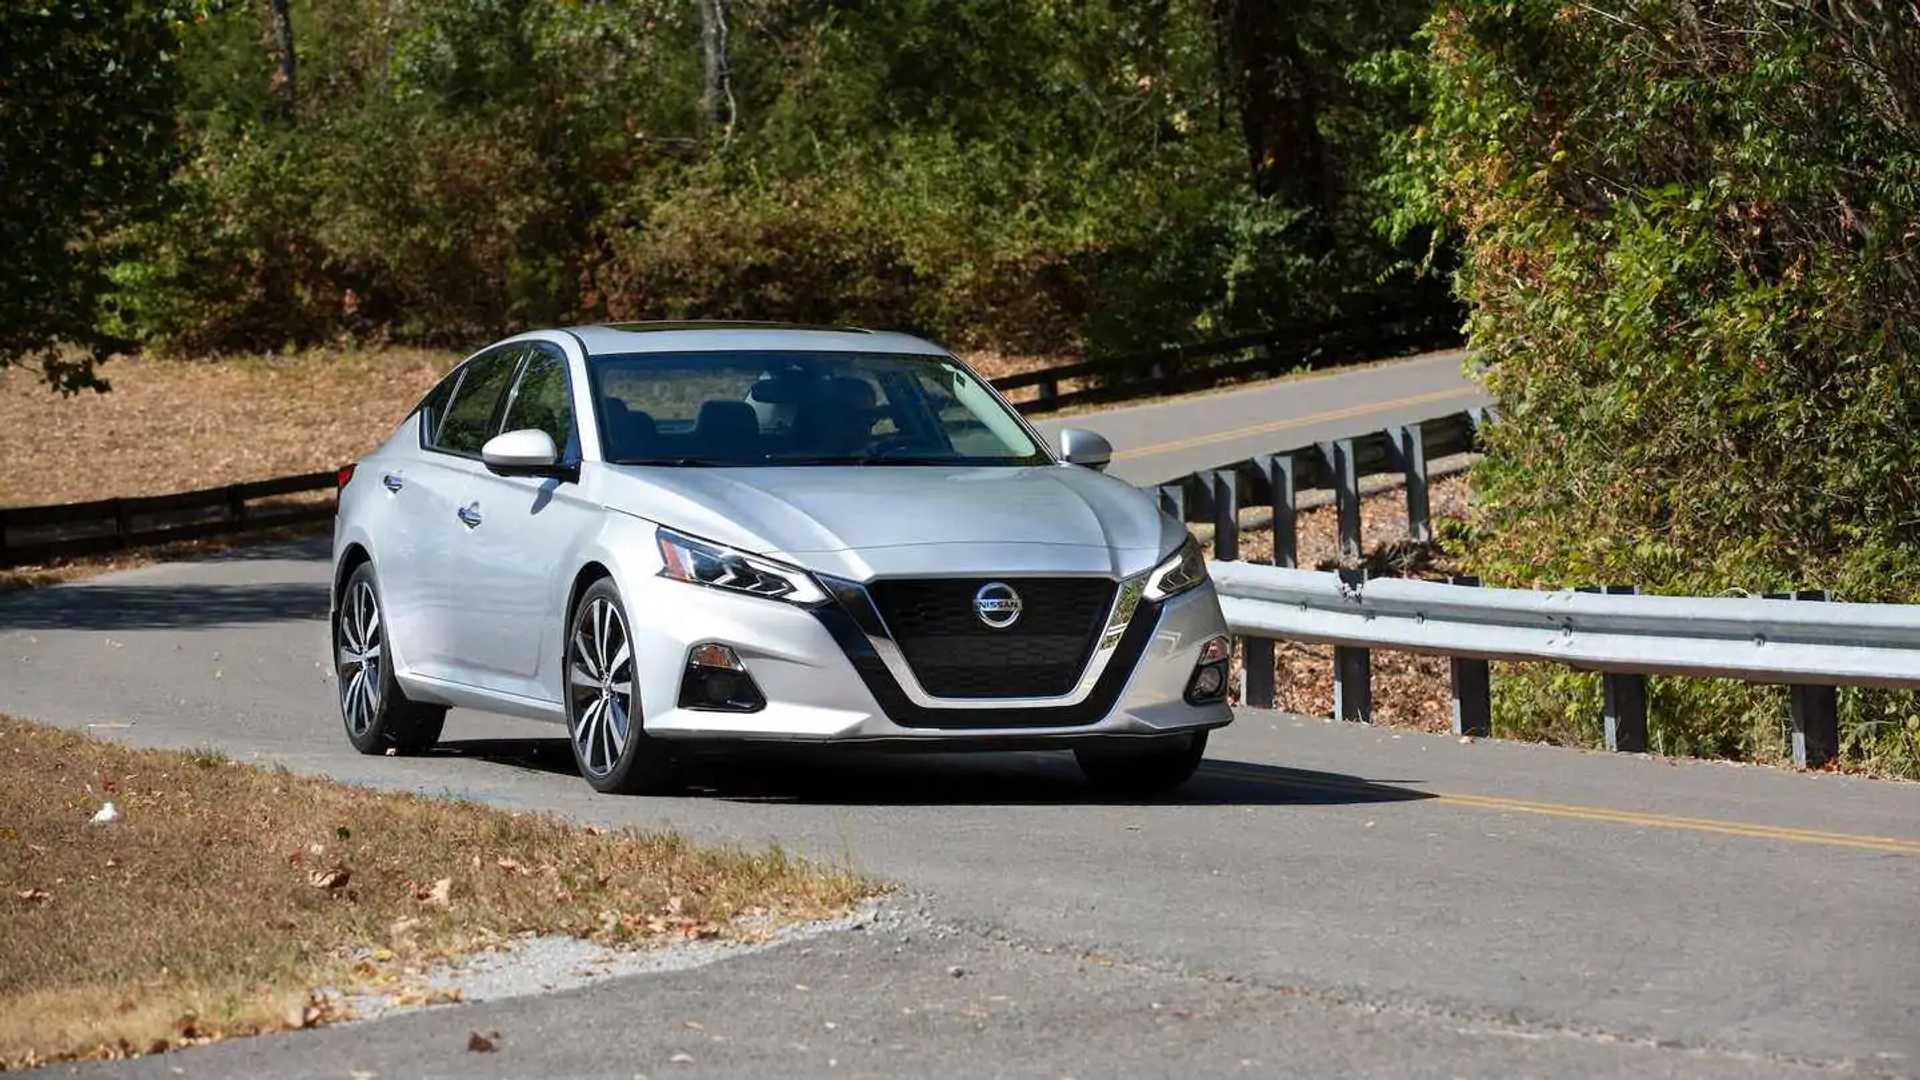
{"type": "Point", "coordinates": [174, 425]}
{"type": "Point", "coordinates": [226, 895]}
{"type": "Point", "coordinates": [171, 425]}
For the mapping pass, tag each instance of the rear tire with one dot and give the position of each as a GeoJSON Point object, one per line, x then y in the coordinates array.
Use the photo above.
{"type": "Point", "coordinates": [610, 746]}
{"type": "Point", "coordinates": [376, 712]}
{"type": "Point", "coordinates": [1140, 767]}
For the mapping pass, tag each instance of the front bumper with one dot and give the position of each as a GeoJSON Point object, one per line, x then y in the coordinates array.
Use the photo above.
{"type": "Point", "coordinates": [821, 685]}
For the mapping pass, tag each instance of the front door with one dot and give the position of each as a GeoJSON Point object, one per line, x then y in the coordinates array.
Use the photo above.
{"type": "Point", "coordinates": [517, 561]}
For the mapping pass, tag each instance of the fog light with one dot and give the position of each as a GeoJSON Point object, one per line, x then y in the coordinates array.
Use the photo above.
{"type": "Point", "coordinates": [1209, 682]}
{"type": "Point", "coordinates": [716, 681]}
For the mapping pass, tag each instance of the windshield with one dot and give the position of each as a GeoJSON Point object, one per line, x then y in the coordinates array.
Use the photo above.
{"type": "Point", "coordinates": [802, 408]}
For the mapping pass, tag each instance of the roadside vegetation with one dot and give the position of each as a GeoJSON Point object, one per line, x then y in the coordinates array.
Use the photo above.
{"type": "Point", "coordinates": [1033, 177]}
{"type": "Point", "coordinates": [226, 899]}
{"type": "Point", "coordinates": [1690, 252]}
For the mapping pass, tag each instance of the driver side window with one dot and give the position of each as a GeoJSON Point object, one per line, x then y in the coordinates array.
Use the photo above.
{"type": "Point", "coordinates": [543, 400]}
{"type": "Point", "coordinates": [470, 417]}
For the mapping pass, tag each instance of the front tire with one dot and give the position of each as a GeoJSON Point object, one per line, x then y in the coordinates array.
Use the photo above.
{"type": "Point", "coordinates": [377, 714]}
{"type": "Point", "coordinates": [1141, 767]}
{"type": "Point", "coordinates": [603, 701]}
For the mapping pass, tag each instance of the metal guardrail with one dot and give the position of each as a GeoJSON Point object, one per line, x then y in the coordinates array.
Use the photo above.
{"type": "Point", "coordinates": [1813, 647]}
{"type": "Point", "coordinates": [30, 534]}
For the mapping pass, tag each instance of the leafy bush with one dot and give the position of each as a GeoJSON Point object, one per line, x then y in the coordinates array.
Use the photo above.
{"type": "Point", "coordinates": [1694, 271]}
{"type": "Point", "coordinates": [1033, 176]}
{"type": "Point", "coordinates": [86, 92]}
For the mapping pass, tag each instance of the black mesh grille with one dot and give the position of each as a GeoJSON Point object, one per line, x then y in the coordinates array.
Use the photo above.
{"type": "Point", "coordinates": [955, 655]}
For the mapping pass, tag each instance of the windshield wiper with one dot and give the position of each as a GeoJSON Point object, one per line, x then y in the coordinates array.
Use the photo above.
{"type": "Point", "coordinates": [674, 461]}
{"type": "Point", "coordinates": [871, 459]}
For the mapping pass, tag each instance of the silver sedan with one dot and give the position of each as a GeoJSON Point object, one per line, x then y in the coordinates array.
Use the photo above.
{"type": "Point", "coordinates": [657, 532]}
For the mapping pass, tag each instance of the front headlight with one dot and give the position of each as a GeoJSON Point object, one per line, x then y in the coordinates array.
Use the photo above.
{"type": "Point", "coordinates": [1183, 570]}
{"type": "Point", "coordinates": [701, 562]}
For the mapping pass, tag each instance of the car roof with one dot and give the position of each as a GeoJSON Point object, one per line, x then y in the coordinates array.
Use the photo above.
{"type": "Point", "coordinates": [603, 339]}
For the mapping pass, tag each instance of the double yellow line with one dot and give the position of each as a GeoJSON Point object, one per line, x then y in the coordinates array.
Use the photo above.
{"type": "Point", "coordinates": [1891, 844]}
{"type": "Point", "coordinates": [1272, 426]}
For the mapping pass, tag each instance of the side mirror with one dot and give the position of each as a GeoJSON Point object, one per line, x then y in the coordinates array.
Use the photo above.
{"type": "Point", "coordinates": [1082, 447]}
{"type": "Point", "coordinates": [527, 452]}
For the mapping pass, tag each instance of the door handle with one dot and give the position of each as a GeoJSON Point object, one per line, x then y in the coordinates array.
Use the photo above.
{"type": "Point", "coordinates": [469, 515]}
{"type": "Point", "coordinates": [394, 483]}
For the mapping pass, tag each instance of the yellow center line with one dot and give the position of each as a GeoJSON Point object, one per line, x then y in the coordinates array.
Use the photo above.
{"type": "Point", "coordinates": [1598, 813]}
{"type": "Point", "coordinates": [1271, 426]}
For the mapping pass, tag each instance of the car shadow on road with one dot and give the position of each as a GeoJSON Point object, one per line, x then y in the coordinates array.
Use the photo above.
{"type": "Point", "coordinates": [855, 776]}
{"type": "Point", "coordinates": [112, 606]}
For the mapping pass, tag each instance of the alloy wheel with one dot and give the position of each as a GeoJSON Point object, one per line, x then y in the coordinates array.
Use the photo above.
{"type": "Point", "coordinates": [359, 650]}
{"type": "Point", "coordinates": [600, 685]}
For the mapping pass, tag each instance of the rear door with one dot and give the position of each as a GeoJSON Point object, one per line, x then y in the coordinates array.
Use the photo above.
{"type": "Point", "coordinates": [437, 533]}
{"type": "Point", "coordinates": [517, 559]}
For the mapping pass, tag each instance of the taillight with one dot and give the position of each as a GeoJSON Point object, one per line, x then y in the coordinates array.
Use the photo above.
{"type": "Point", "coordinates": [341, 478]}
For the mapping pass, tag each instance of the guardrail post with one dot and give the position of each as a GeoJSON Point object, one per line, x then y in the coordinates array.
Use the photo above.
{"type": "Point", "coordinates": [1049, 390]}
{"type": "Point", "coordinates": [122, 523]}
{"type": "Point", "coordinates": [1410, 453]}
{"type": "Point", "coordinates": [1338, 458]}
{"type": "Point", "coordinates": [237, 504]}
{"type": "Point", "coordinates": [1472, 687]}
{"type": "Point", "coordinates": [1280, 480]}
{"type": "Point", "coordinates": [5, 559]}
{"type": "Point", "coordinates": [1173, 499]}
{"type": "Point", "coordinates": [1624, 696]}
{"type": "Point", "coordinates": [1816, 713]}
{"type": "Point", "coordinates": [1257, 654]}
{"type": "Point", "coordinates": [1352, 670]}
{"type": "Point", "coordinates": [1224, 485]}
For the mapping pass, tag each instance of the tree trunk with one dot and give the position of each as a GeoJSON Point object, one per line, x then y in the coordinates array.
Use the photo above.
{"type": "Point", "coordinates": [280, 48]}
{"type": "Point", "coordinates": [1266, 70]}
{"type": "Point", "coordinates": [717, 108]}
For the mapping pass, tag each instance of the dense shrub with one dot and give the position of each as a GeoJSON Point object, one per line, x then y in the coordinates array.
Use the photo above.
{"type": "Point", "coordinates": [87, 92]}
{"type": "Point", "coordinates": [1030, 175]}
{"type": "Point", "coordinates": [1694, 269]}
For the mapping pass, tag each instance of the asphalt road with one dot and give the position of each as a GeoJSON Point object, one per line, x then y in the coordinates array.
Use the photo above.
{"type": "Point", "coordinates": [1322, 898]}
{"type": "Point", "coordinates": [1162, 440]}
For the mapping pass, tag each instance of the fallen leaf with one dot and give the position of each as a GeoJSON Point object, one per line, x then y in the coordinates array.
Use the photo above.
{"type": "Point", "coordinates": [438, 895]}
{"type": "Point", "coordinates": [34, 896]}
{"type": "Point", "coordinates": [482, 1044]}
{"type": "Point", "coordinates": [333, 877]}
{"type": "Point", "coordinates": [513, 867]}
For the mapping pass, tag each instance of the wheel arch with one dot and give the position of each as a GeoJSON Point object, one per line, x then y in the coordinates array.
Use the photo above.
{"type": "Point", "coordinates": [351, 558]}
{"type": "Point", "coordinates": [590, 571]}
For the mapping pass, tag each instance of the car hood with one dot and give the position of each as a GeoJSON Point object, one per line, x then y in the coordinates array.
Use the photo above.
{"type": "Point", "coordinates": [859, 521]}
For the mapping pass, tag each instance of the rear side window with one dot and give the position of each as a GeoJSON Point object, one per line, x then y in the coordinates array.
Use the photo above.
{"type": "Point", "coordinates": [542, 402]}
{"type": "Point", "coordinates": [469, 420]}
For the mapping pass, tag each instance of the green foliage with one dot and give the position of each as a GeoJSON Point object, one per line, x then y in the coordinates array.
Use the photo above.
{"type": "Point", "coordinates": [87, 92]}
{"type": "Point", "coordinates": [1031, 175]}
{"type": "Point", "coordinates": [1691, 254]}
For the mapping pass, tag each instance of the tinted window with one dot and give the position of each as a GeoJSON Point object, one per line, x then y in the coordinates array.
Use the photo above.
{"type": "Point", "coordinates": [469, 420]}
{"type": "Point", "coordinates": [802, 408]}
{"type": "Point", "coordinates": [541, 402]}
